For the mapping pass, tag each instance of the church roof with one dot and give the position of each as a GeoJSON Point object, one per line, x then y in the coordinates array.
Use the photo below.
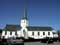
{"type": "Point", "coordinates": [12, 27]}
{"type": "Point", "coordinates": [39, 28]}
{"type": "Point", "coordinates": [30, 28]}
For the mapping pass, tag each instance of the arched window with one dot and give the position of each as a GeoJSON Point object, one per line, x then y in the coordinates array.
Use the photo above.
{"type": "Point", "coordinates": [48, 33]}
{"type": "Point", "coordinates": [10, 32]}
{"type": "Point", "coordinates": [43, 33]}
{"type": "Point", "coordinates": [15, 32]}
{"type": "Point", "coordinates": [32, 33]}
{"type": "Point", "coordinates": [38, 33]}
{"type": "Point", "coordinates": [24, 32]}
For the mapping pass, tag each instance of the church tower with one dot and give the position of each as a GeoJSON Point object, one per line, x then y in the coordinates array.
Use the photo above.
{"type": "Point", "coordinates": [24, 20]}
{"type": "Point", "coordinates": [24, 23]}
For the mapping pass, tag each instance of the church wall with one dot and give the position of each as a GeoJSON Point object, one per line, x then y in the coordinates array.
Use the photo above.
{"type": "Point", "coordinates": [36, 36]}
{"type": "Point", "coordinates": [30, 34]}
{"type": "Point", "coordinates": [7, 34]}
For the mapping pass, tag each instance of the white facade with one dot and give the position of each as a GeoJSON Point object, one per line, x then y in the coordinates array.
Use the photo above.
{"type": "Point", "coordinates": [24, 23]}
{"type": "Point", "coordinates": [40, 35]}
{"type": "Point", "coordinates": [28, 34]}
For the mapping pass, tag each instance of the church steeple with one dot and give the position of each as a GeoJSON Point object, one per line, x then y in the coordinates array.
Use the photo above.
{"type": "Point", "coordinates": [24, 20]}
{"type": "Point", "coordinates": [25, 10]}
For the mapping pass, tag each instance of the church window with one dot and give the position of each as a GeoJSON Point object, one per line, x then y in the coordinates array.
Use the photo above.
{"type": "Point", "coordinates": [15, 32]}
{"type": "Point", "coordinates": [48, 33]}
{"type": "Point", "coordinates": [24, 32]}
{"type": "Point", "coordinates": [32, 33]}
{"type": "Point", "coordinates": [38, 33]}
{"type": "Point", "coordinates": [6, 33]}
{"type": "Point", "coordinates": [43, 33]}
{"type": "Point", "coordinates": [11, 33]}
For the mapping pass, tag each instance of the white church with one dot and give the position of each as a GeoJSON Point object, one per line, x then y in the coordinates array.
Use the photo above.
{"type": "Point", "coordinates": [25, 30]}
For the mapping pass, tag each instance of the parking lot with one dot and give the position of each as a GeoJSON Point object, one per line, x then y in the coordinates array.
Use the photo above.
{"type": "Point", "coordinates": [39, 43]}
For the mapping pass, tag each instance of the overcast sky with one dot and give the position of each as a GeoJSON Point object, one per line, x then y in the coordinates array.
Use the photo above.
{"type": "Point", "coordinates": [39, 12]}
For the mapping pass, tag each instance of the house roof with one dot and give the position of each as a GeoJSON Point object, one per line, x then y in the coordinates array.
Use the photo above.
{"type": "Point", "coordinates": [30, 28]}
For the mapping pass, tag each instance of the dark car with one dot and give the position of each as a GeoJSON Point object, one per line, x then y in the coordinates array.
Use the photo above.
{"type": "Point", "coordinates": [13, 40]}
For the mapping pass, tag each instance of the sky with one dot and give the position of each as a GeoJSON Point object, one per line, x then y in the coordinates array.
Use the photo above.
{"type": "Point", "coordinates": [39, 12]}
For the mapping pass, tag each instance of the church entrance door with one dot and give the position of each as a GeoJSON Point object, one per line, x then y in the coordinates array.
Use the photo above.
{"type": "Point", "coordinates": [25, 34]}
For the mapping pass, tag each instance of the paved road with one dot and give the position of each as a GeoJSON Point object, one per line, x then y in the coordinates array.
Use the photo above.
{"type": "Point", "coordinates": [38, 43]}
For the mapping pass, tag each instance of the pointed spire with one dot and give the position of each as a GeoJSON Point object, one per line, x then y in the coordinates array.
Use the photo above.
{"type": "Point", "coordinates": [25, 10]}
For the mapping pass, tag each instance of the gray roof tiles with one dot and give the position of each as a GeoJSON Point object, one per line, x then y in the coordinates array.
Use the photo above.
{"type": "Point", "coordinates": [30, 28]}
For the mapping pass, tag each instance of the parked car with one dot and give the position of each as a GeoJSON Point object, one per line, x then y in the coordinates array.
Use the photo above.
{"type": "Point", "coordinates": [13, 40]}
